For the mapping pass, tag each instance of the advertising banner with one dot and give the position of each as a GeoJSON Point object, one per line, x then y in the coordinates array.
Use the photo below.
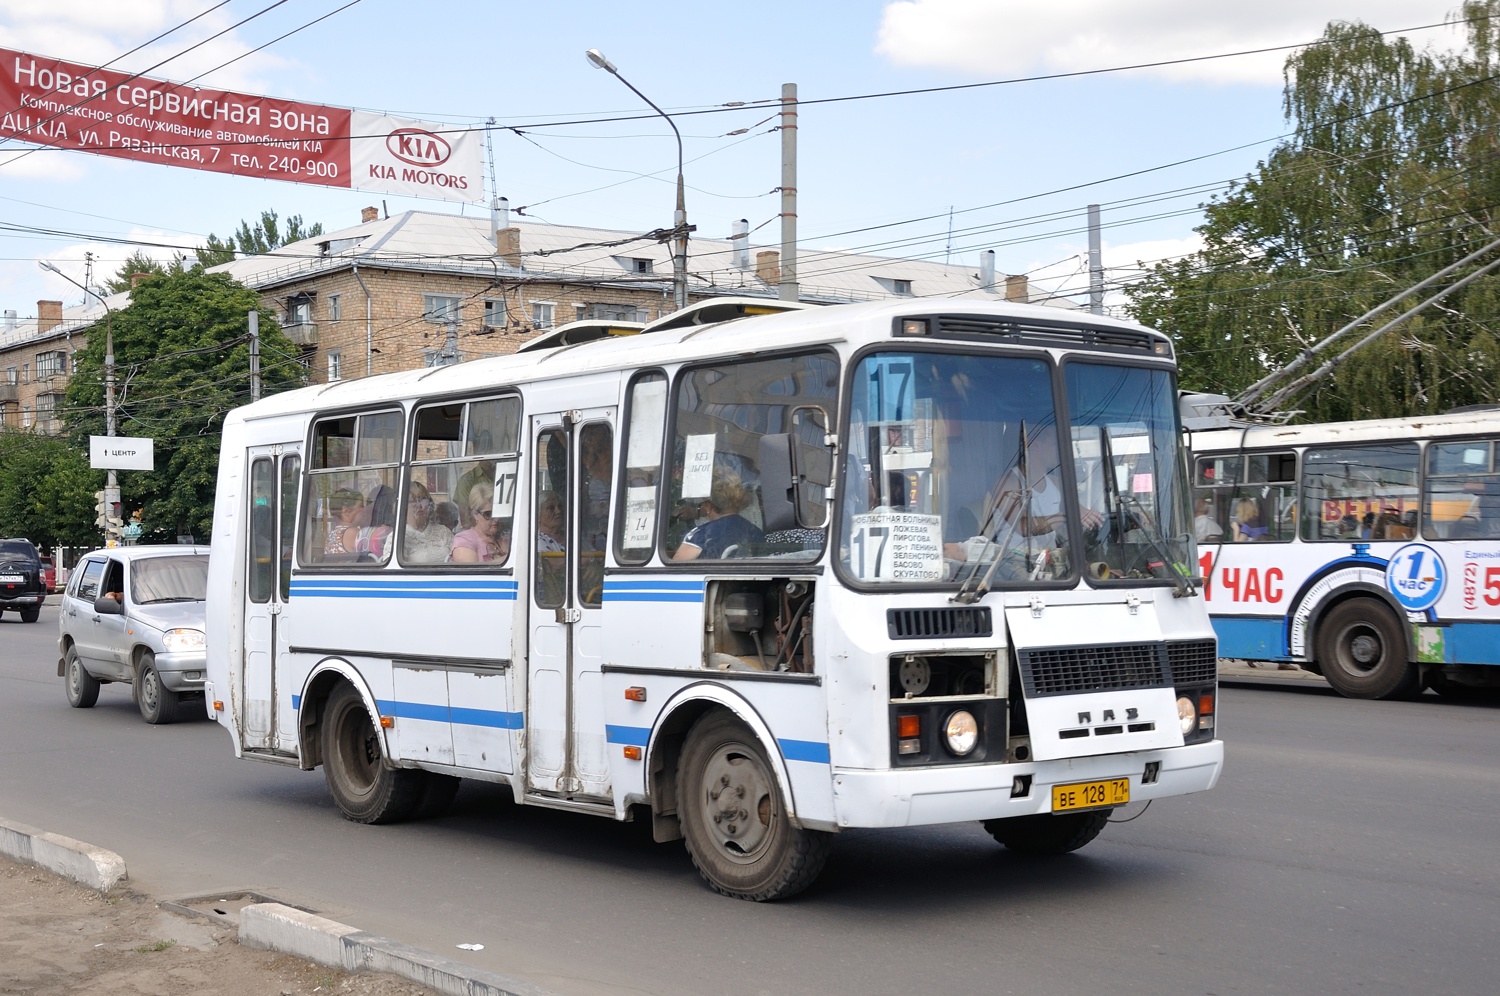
{"type": "Point", "coordinates": [122, 453]}
{"type": "Point", "coordinates": [72, 106]}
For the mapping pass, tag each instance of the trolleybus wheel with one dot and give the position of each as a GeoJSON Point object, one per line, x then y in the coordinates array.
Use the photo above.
{"type": "Point", "coordinates": [158, 704]}
{"type": "Point", "coordinates": [733, 819]}
{"type": "Point", "coordinates": [365, 788]}
{"type": "Point", "coordinates": [82, 687]}
{"type": "Point", "coordinates": [1363, 652]}
{"type": "Point", "coordinates": [1045, 833]}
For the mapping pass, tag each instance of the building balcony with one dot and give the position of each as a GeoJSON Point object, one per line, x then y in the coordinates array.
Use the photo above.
{"type": "Point", "coordinates": [9, 393]}
{"type": "Point", "coordinates": [304, 334]}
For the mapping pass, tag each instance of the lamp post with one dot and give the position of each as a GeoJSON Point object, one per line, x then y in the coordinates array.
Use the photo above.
{"type": "Point", "coordinates": [111, 484]}
{"type": "Point", "coordinates": [680, 227]}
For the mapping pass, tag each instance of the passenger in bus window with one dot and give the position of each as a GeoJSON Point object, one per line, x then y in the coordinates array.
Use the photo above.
{"type": "Point", "coordinates": [1246, 522]}
{"type": "Point", "coordinates": [725, 527]}
{"type": "Point", "coordinates": [486, 540]}
{"type": "Point", "coordinates": [1039, 523]}
{"type": "Point", "coordinates": [445, 514]}
{"type": "Point", "coordinates": [425, 540]}
{"type": "Point", "coordinates": [347, 507]}
{"type": "Point", "coordinates": [552, 525]}
{"type": "Point", "coordinates": [1205, 526]}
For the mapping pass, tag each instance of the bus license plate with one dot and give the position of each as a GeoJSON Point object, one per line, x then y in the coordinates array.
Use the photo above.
{"type": "Point", "coordinates": [1090, 795]}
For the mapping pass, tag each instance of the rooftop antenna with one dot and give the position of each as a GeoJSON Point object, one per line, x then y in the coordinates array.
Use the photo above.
{"type": "Point", "coordinates": [489, 152]}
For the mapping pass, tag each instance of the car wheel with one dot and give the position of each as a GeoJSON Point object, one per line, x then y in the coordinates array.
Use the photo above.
{"type": "Point", "coordinates": [734, 822]}
{"type": "Point", "coordinates": [82, 687]}
{"type": "Point", "coordinates": [365, 788]}
{"type": "Point", "coordinates": [158, 703]}
{"type": "Point", "coordinates": [31, 615]}
{"type": "Point", "coordinates": [1045, 833]}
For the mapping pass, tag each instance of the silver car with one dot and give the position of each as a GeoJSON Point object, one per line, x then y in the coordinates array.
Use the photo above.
{"type": "Point", "coordinates": [135, 614]}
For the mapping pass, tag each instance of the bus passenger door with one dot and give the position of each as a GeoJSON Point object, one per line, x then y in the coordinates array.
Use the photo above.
{"type": "Point", "coordinates": [572, 477]}
{"type": "Point", "coordinates": [270, 526]}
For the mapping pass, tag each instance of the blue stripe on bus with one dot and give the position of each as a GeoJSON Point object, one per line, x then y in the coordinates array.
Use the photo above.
{"type": "Point", "coordinates": [657, 585]}
{"type": "Point", "coordinates": [457, 589]}
{"type": "Point", "coordinates": [1472, 643]}
{"type": "Point", "coordinates": [490, 718]}
{"type": "Point", "coordinates": [805, 750]}
{"type": "Point", "coordinates": [663, 590]}
{"type": "Point", "coordinates": [1255, 639]}
{"type": "Point", "coordinates": [633, 736]}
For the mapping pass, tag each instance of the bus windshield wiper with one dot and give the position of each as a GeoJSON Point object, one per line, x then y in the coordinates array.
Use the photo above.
{"type": "Point", "coordinates": [1148, 526]}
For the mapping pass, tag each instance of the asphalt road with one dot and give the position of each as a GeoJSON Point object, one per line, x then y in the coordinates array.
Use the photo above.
{"type": "Point", "coordinates": [1349, 846]}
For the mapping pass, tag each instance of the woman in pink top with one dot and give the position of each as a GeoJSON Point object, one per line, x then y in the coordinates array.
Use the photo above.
{"type": "Point", "coordinates": [482, 541]}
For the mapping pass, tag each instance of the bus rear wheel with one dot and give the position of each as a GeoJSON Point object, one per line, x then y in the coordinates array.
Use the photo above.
{"type": "Point", "coordinates": [1045, 833]}
{"type": "Point", "coordinates": [1363, 652]}
{"type": "Point", "coordinates": [366, 789]}
{"type": "Point", "coordinates": [734, 822]}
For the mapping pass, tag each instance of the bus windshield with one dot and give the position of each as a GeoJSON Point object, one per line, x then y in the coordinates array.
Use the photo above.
{"type": "Point", "coordinates": [953, 471]}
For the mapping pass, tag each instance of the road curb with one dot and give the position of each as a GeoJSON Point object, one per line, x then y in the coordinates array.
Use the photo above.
{"type": "Point", "coordinates": [275, 927]}
{"type": "Point", "coordinates": [85, 864]}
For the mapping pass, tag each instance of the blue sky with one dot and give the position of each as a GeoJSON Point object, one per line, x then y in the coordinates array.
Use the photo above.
{"type": "Point", "coordinates": [863, 163]}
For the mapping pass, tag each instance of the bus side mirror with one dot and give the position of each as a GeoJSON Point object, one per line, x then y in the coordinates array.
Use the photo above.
{"type": "Point", "coordinates": [778, 482]}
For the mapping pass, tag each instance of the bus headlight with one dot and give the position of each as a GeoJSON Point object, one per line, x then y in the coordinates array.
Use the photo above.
{"type": "Point", "coordinates": [183, 639]}
{"type": "Point", "coordinates": [961, 732]}
{"type": "Point", "coordinates": [1187, 715]}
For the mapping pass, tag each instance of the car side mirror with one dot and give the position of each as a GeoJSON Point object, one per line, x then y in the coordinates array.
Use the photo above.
{"type": "Point", "coordinates": [106, 606]}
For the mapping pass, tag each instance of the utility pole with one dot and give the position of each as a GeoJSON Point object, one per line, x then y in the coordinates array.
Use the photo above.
{"type": "Point", "coordinates": [788, 289]}
{"type": "Point", "coordinates": [1096, 264]}
{"type": "Point", "coordinates": [254, 355]}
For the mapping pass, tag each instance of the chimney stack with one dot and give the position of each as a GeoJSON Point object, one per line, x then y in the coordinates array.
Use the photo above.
{"type": "Point", "coordinates": [10, 320]}
{"type": "Point", "coordinates": [136, 278]}
{"type": "Point", "coordinates": [499, 214]}
{"type": "Point", "coordinates": [368, 215]}
{"type": "Point", "coordinates": [1017, 289]}
{"type": "Point", "coordinates": [987, 270]}
{"type": "Point", "coordinates": [508, 246]}
{"type": "Point", "coordinates": [48, 315]}
{"type": "Point", "coordinates": [768, 266]}
{"type": "Point", "coordinates": [739, 243]}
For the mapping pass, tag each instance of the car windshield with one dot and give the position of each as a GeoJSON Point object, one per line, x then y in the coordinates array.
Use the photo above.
{"type": "Point", "coordinates": [16, 548]}
{"type": "Point", "coordinates": [169, 579]}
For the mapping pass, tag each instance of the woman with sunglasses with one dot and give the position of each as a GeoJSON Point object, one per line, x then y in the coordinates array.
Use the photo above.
{"type": "Point", "coordinates": [484, 540]}
{"type": "Point", "coordinates": [426, 541]}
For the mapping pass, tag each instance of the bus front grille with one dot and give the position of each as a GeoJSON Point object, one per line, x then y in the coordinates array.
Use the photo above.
{"type": "Point", "coordinates": [927, 624]}
{"type": "Point", "coordinates": [1069, 670]}
{"type": "Point", "coordinates": [1194, 662]}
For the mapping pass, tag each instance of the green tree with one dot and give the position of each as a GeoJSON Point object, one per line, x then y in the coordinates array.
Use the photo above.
{"type": "Point", "coordinates": [1392, 172]}
{"type": "Point", "coordinates": [253, 240]}
{"type": "Point", "coordinates": [47, 490]}
{"type": "Point", "coordinates": [182, 362]}
{"type": "Point", "coordinates": [139, 263]}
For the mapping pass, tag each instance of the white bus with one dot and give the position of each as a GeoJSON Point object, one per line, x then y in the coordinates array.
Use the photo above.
{"type": "Point", "coordinates": [751, 579]}
{"type": "Point", "coordinates": [1368, 552]}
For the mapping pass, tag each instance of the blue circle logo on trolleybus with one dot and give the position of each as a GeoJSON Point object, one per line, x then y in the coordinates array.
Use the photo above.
{"type": "Point", "coordinates": [1416, 576]}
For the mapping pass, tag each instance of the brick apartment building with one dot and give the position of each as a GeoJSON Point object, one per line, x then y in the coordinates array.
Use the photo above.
{"type": "Point", "coordinates": [424, 288]}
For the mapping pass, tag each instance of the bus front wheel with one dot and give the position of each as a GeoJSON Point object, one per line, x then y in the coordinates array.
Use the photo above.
{"type": "Point", "coordinates": [1045, 833]}
{"type": "Point", "coordinates": [365, 788]}
{"type": "Point", "coordinates": [1362, 652]}
{"type": "Point", "coordinates": [734, 821]}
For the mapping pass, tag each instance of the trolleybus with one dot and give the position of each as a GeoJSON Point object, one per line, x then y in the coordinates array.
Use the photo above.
{"type": "Point", "coordinates": [1367, 552]}
{"type": "Point", "coordinates": [758, 578]}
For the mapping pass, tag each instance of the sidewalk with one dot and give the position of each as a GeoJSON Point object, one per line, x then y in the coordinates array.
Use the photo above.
{"type": "Point", "coordinates": [69, 923]}
{"type": "Point", "coordinates": [1266, 674]}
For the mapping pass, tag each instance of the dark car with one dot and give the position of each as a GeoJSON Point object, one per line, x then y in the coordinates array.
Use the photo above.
{"type": "Point", "coordinates": [22, 584]}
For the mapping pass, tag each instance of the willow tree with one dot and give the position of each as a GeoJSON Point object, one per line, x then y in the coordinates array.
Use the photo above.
{"type": "Point", "coordinates": [1391, 172]}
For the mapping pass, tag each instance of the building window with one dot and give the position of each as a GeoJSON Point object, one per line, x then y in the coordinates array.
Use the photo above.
{"type": "Point", "coordinates": [616, 313]}
{"type": "Point", "coordinates": [7, 414]}
{"type": "Point", "coordinates": [299, 311]}
{"type": "Point", "coordinates": [494, 314]}
{"type": "Point", "coordinates": [441, 308]}
{"type": "Point", "coordinates": [335, 307]}
{"type": "Point", "coordinates": [25, 416]}
{"type": "Point", "coordinates": [51, 364]}
{"type": "Point", "coordinates": [11, 376]}
{"type": "Point", "coordinates": [541, 314]}
{"type": "Point", "coordinates": [638, 265]}
{"type": "Point", "coordinates": [335, 366]}
{"type": "Point", "coordinates": [901, 287]}
{"type": "Point", "coordinates": [26, 373]}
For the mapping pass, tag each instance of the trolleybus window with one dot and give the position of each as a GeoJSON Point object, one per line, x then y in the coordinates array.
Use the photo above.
{"type": "Point", "coordinates": [349, 516]}
{"type": "Point", "coordinates": [646, 417]}
{"type": "Point", "coordinates": [724, 412]}
{"type": "Point", "coordinates": [460, 493]}
{"type": "Point", "coordinates": [1360, 492]}
{"type": "Point", "coordinates": [1462, 497]}
{"type": "Point", "coordinates": [1246, 498]}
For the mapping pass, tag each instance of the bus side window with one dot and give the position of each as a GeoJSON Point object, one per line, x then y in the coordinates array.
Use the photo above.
{"type": "Point", "coordinates": [644, 431]}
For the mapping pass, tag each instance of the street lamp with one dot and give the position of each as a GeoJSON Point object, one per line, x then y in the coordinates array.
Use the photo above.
{"type": "Point", "coordinates": [680, 226]}
{"type": "Point", "coordinates": [111, 486]}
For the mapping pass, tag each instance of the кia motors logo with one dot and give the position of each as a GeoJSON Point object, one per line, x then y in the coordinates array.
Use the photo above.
{"type": "Point", "coordinates": [418, 147]}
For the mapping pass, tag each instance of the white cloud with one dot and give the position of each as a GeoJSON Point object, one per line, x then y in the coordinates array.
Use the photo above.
{"type": "Point", "coordinates": [1003, 38]}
